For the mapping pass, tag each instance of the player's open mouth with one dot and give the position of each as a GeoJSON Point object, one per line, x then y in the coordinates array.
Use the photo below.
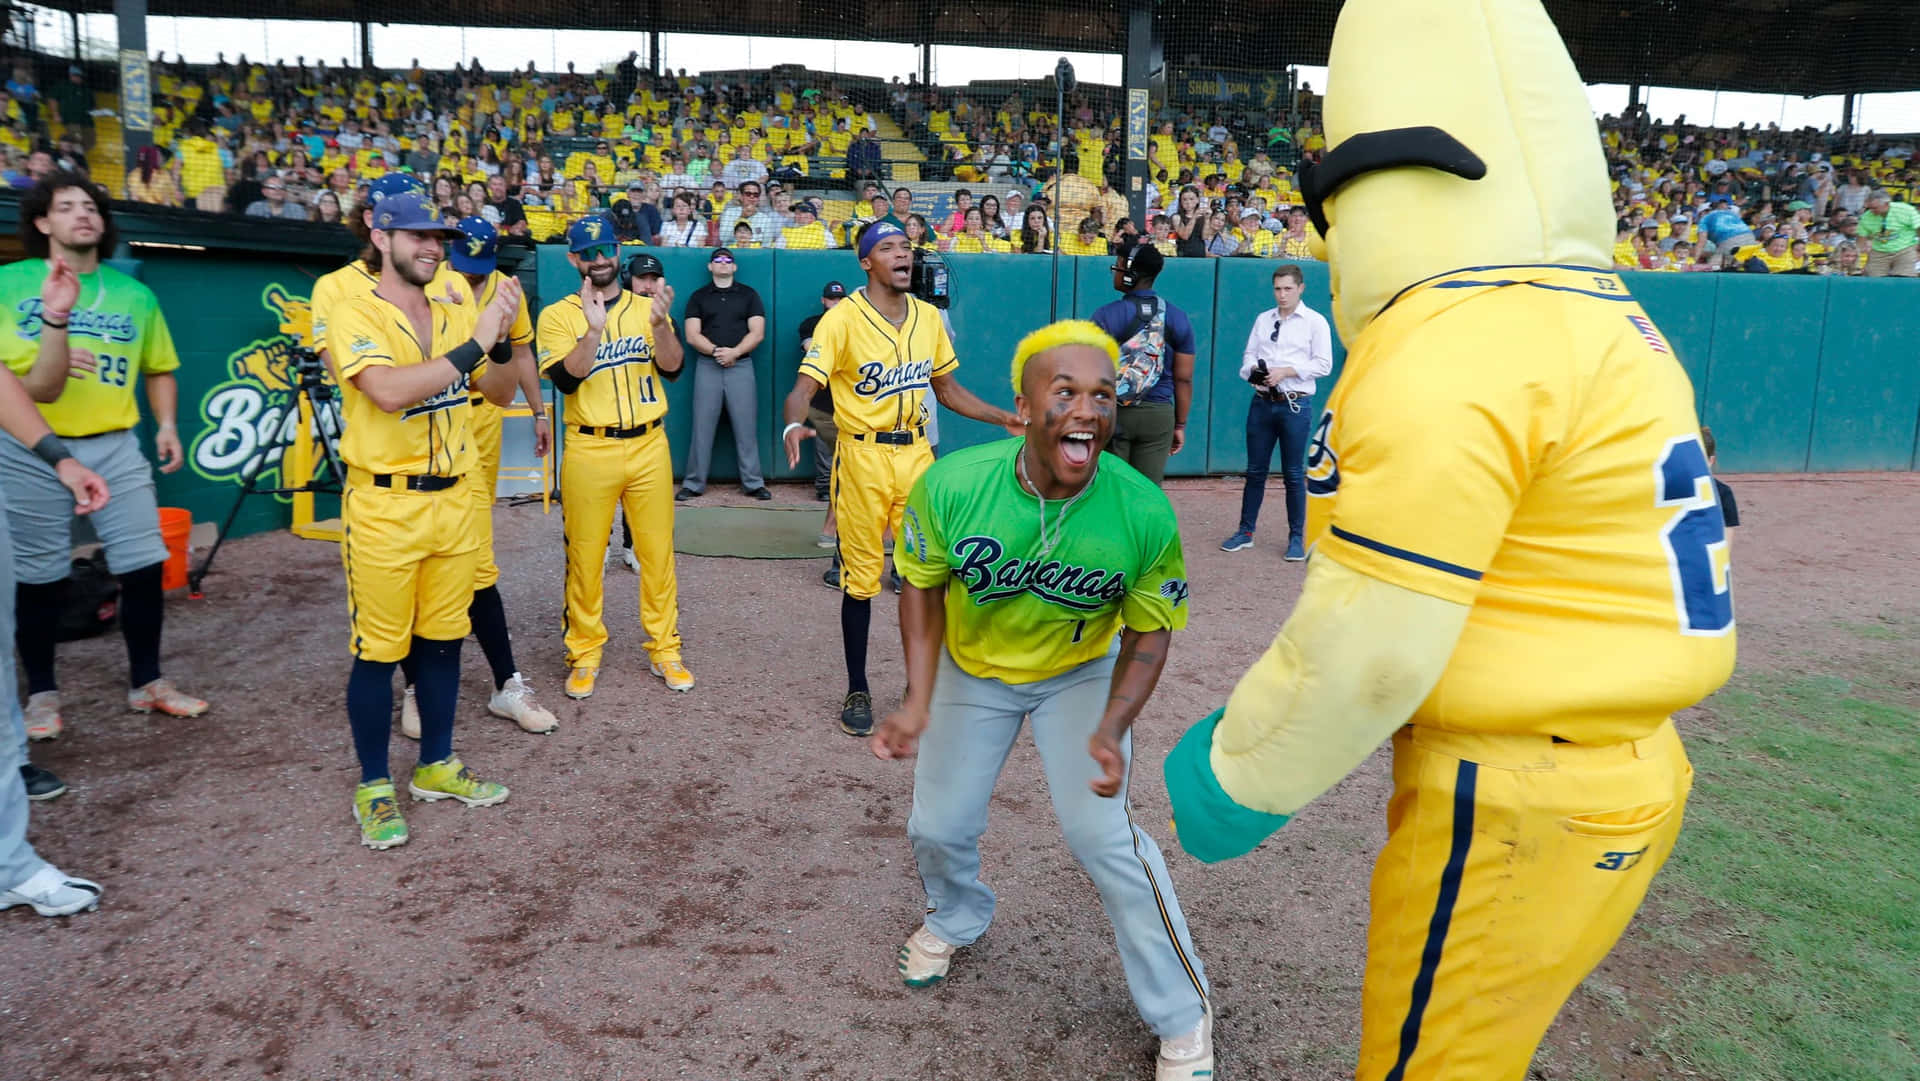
{"type": "Point", "coordinates": [1077, 447]}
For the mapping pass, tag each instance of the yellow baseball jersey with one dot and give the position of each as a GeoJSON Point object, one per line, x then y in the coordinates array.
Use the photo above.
{"type": "Point", "coordinates": [1522, 440]}
{"type": "Point", "coordinates": [358, 279]}
{"type": "Point", "coordinates": [880, 375]}
{"type": "Point", "coordinates": [519, 332]}
{"type": "Point", "coordinates": [116, 318]}
{"type": "Point", "coordinates": [430, 437]}
{"type": "Point", "coordinates": [622, 389]}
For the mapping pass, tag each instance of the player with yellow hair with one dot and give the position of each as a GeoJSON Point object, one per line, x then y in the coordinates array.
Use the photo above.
{"type": "Point", "coordinates": [1064, 616]}
{"type": "Point", "coordinates": [1519, 571]}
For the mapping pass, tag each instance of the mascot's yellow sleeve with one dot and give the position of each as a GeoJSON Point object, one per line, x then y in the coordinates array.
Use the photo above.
{"type": "Point", "coordinates": [1350, 665]}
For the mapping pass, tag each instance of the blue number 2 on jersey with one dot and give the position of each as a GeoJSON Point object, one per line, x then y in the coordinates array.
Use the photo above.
{"type": "Point", "coordinates": [1695, 539]}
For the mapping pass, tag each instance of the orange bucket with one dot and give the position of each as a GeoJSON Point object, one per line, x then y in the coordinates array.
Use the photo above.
{"type": "Point", "coordinates": [176, 526]}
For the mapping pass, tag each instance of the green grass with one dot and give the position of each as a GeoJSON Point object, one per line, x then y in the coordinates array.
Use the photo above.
{"type": "Point", "coordinates": [1803, 839]}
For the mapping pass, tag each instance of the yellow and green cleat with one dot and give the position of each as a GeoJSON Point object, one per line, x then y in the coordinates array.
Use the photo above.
{"type": "Point", "coordinates": [450, 779]}
{"type": "Point", "coordinates": [378, 812]}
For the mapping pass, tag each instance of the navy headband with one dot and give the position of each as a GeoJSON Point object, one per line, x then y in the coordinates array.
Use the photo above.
{"type": "Point", "coordinates": [875, 234]}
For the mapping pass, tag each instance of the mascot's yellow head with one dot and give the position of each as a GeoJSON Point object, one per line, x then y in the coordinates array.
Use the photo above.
{"type": "Point", "coordinates": [1458, 135]}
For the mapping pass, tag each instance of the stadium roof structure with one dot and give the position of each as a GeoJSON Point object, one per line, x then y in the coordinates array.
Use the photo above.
{"type": "Point", "coordinates": [1741, 45]}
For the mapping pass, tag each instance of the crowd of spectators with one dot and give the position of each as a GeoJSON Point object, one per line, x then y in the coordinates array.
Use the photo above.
{"type": "Point", "coordinates": [769, 158]}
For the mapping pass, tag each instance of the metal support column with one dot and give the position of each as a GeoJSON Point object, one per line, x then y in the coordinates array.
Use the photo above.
{"type": "Point", "coordinates": [366, 45]}
{"type": "Point", "coordinates": [926, 64]}
{"type": "Point", "coordinates": [1138, 76]}
{"type": "Point", "coordinates": [1849, 109]}
{"type": "Point", "coordinates": [136, 82]}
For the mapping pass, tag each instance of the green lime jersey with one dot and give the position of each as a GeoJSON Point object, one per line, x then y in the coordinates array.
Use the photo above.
{"type": "Point", "coordinates": [1026, 602]}
{"type": "Point", "coordinates": [116, 318]}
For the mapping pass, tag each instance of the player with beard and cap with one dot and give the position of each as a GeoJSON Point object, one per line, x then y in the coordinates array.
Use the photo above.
{"type": "Point", "coordinates": [1045, 581]}
{"type": "Point", "coordinates": [474, 255]}
{"type": "Point", "coordinates": [412, 539]}
{"type": "Point", "coordinates": [609, 350]}
{"type": "Point", "coordinates": [881, 352]}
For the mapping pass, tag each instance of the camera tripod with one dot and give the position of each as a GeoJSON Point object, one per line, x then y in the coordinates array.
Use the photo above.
{"type": "Point", "coordinates": [313, 391]}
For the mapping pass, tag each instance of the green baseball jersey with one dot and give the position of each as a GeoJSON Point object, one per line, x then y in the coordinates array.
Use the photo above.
{"type": "Point", "coordinates": [117, 319]}
{"type": "Point", "coordinates": [1016, 611]}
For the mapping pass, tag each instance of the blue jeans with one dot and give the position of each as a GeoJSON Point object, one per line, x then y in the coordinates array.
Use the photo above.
{"type": "Point", "coordinates": [18, 860]}
{"type": "Point", "coordinates": [1269, 423]}
{"type": "Point", "coordinates": [973, 726]}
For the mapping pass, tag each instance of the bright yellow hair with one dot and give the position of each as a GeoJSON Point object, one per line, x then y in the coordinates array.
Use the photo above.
{"type": "Point", "coordinates": [1055, 335]}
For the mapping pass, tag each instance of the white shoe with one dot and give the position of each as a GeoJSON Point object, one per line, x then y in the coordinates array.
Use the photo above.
{"type": "Point", "coordinates": [52, 893]}
{"type": "Point", "coordinates": [515, 702]}
{"type": "Point", "coordinates": [632, 561]}
{"type": "Point", "coordinates": [1188, 1056]}
{"type": "Point", "coordinates": [925, 958]}
{"type": "Point", "coordinates": [409, 716]}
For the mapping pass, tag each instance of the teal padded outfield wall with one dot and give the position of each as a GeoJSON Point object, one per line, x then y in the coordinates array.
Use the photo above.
{"type": "Point", "coordinates": [1793, 374]}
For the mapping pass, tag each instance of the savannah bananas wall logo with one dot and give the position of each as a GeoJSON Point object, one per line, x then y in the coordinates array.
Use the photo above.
{"type": "Point", "coordinates": [251, 415]}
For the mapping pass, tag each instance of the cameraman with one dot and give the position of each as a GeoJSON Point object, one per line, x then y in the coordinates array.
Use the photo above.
{"type": "Point", "coordinates": [412, 539]}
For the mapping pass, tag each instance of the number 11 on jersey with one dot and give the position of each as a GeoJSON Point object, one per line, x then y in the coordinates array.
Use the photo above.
{"type": "Point", "coordinates": [1695, 538]}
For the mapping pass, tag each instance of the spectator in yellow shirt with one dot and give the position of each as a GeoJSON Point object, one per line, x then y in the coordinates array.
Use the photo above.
{"type": "Point", "coordinates": [975, 238]}
{"type": "Point", "coordinates": [806, 233]}
{"type": "Point", "coordinates": [1087, 241]}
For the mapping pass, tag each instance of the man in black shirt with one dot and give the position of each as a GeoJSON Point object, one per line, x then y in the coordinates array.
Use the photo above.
{"type": "Point", "coordinates": [725, 323]}
{"type": "Point", "coordinates": [820, 408]}
{"type": "Point", "coordinates": [513, 217]}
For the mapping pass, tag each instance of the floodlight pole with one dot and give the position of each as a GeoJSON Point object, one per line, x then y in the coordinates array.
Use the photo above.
{"type": "Point", "coordinates": [1062, 82]}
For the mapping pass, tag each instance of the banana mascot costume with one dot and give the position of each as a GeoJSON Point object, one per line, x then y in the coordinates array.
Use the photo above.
{"type": "Point", "coordinates": [1519, 568]}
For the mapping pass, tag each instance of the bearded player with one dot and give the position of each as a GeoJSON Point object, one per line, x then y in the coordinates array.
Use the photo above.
{"type": "Point", "coordinates": [880, 353]}
{"type": "Point", "coordinates": [1024, 558]}
{"type": "Point", "coordinates": [610, 352]}
{"type": "Point", "coordinates": [411, 543]}
{"type": "Point", "coordinates": [1519, 571]}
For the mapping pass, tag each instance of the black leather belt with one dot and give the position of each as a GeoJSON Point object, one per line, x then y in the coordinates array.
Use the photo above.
{"type": "Point", "coordinates": [414, 482]}
{"type": "Point", "coordinates": [892, 439]}
{"type": "Point", "coordinates": [1284, 396]}
{"type": "Point", "coordinates": [622, 433]}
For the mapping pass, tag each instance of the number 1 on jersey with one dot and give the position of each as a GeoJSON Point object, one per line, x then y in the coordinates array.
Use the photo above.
{"type": "Point", "coordinates": [1695, 539]}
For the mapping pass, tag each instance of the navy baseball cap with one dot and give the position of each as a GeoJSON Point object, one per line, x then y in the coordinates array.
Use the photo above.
{"type": "Point", "coordinates": [833, 291]}
{"type": "Point", "coordinates": [590, 232]}
{"type": "Point", "coordinates": [410, 211]}
{"type": "Point", "coordinates": [392, 184]}
{"type": "Point", "coordinates": [477, 249]}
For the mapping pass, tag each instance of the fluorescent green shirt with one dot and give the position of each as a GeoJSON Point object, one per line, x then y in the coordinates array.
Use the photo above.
{"type": "Point", "coordinates": [1015, 612]}
{"type": "Point", "coordinates": [1897, 230]}
{"type": "Point", "coordinates": [116, 318]}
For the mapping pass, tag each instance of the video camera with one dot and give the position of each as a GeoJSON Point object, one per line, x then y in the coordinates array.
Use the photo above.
{"type": "Point", "coordinates": [309, 370]}
{"type": "Point", "coordinates": [931, 282]}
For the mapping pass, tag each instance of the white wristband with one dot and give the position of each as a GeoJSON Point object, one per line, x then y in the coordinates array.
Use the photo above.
{"type": "Point", "coordinates": [789, 428]}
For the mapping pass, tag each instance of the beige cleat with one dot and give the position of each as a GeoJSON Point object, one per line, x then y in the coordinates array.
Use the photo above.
{"type": "Point", "coordinates": [516, 703]}
{"type": "Point", "coordinates": [675, 673]}
{"type": "Point", "coordinates": [160, 696]}
{"type": "Point", "coordinates": [43, 716]}
{"type": "Point", "coordinates": [925, 958]}
{"type": "Point", "coordinates": [409, 715]}
{"type": "Point", "coordinates": [1188, 1056]}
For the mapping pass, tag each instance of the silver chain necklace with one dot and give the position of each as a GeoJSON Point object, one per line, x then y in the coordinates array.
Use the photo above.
{"type": "Point", "coordinates": [1048, 541]}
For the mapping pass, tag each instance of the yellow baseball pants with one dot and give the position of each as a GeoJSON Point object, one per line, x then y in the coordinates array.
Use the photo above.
{"type": "Point", "coordinates": [1512, 865]}
{"type": "Point", "coordinates": [598, 475]}
{"type": "Point", "coordinates": [410, 559]}
{"type": "Point", "coordinates": [485, 425]}
{"type": "Point", "coordinates": [871, 482]}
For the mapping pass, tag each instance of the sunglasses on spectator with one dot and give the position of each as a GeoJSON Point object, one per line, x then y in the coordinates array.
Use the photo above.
{"type": "Point", "coordinates": [749, 191]}
{"type": "Point", "coordinates": [599, 252]}
{"type": "Point", "coordinates": [722, 260]}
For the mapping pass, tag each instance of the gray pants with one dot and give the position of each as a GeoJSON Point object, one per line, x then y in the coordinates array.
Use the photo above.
{"type": "Point", "coordinates": [714, 386]}
{"type": "Point", "coordinates": [18, 861]}
{"type": "Point", "coordinates": [42, 509]}
{"type": "Point", "coordinates": [973, 726]}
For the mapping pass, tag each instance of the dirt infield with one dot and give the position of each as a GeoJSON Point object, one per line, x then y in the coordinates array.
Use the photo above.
{"type": "Point", "coordinates": [713, 885]}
